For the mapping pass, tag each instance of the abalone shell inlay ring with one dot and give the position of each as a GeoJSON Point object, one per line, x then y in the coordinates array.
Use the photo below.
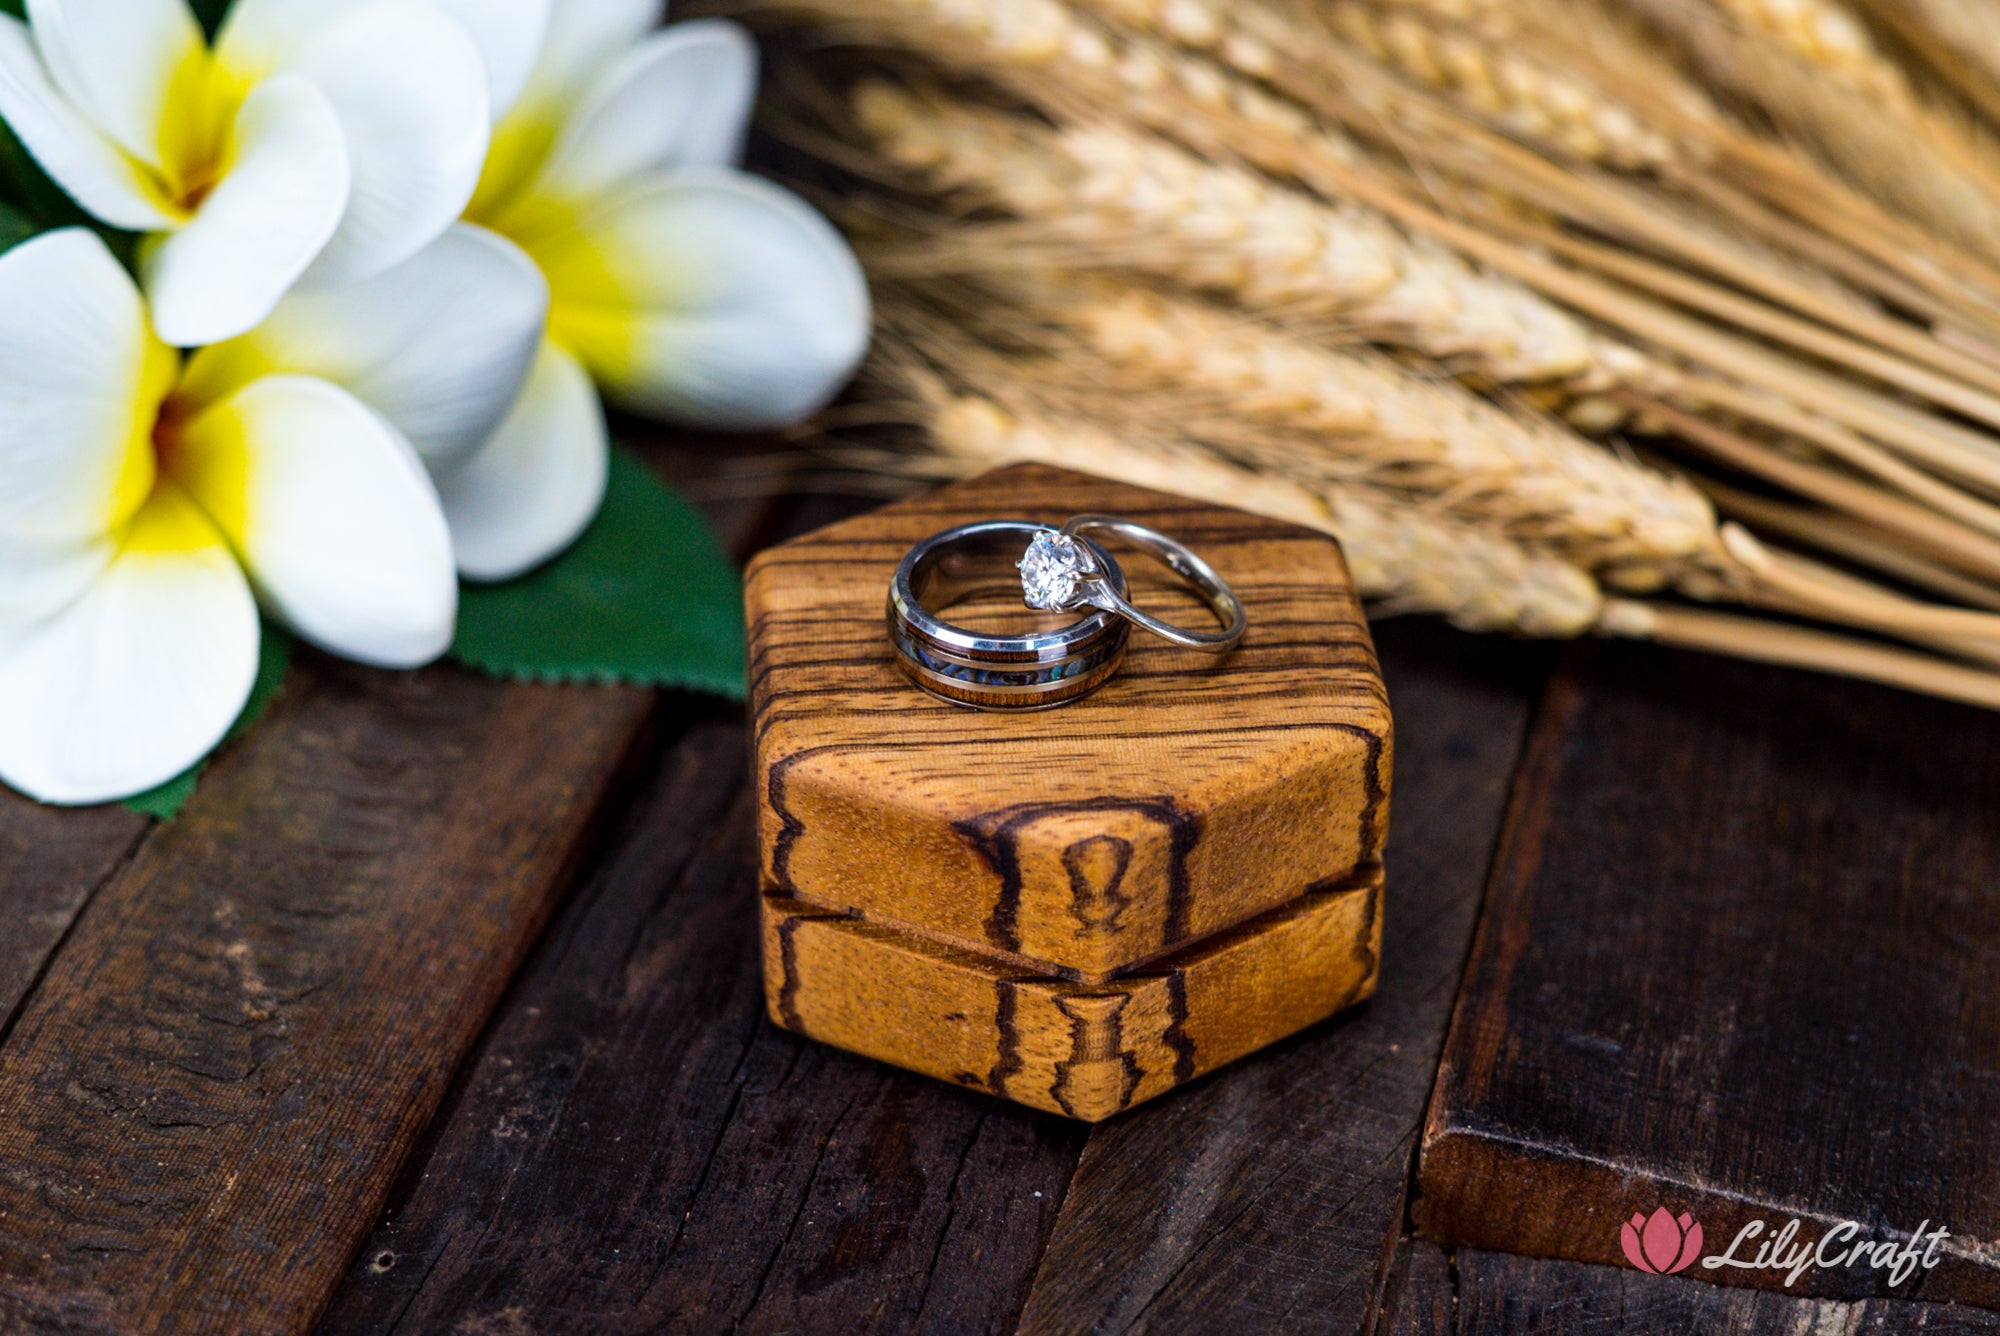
{"type": "Point", "coordinates": [1034, 670]}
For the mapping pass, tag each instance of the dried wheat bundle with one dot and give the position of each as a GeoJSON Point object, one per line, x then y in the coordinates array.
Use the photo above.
{"type": "Point", "coordinates": [1118, 196]}
{"type": "Point", "coordinates": [1121, 197]}
{"type": "Point", "coordinates": [1556, 71]}
{"type": "Point", "coordinates": [1810, 66]}
{"type": "Point", "coordinates": [1959, 41]}
{"type": "Point", "coordinates": [1326, 78]}
{"type": "Point", "coordinates": [1139, 201]}
{"type": "Point", "coordinates": [1342, 414]}
{"type": "Point", "coordinates": [1408, 559]}
{"type": "Point", "coordinates": [1477, 54]}
{"type": "Point", "coordinates": [1188, 142]}
{"type": "Point", "coordinates": [1787, 390]}
{"type": "Point", "coordinates": [1585, 88]}
{"type": "Point", "coordinates": [1088, 74]}
{"type": "Point", "coordinates": [1048, 52]}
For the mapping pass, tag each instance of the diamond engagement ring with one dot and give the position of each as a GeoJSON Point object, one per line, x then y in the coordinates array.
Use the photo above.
{"type": "Point", "coordinates": [1060, 573]}
{"type": "Point", "coordinates": [989, 671]}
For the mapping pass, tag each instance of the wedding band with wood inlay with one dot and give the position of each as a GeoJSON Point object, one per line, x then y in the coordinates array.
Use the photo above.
{"type": "Point", "coordinates": [1034, 670]}
{"type": "Point", "coordinates": [1059, 574]}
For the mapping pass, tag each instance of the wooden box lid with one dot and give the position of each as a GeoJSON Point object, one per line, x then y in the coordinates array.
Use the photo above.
{"type": "Point", "coordinates": [1188, 795]}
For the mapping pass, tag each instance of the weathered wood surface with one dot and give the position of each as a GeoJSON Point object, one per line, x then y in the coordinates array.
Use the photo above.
{"type": "Point", "coordinates": [51, 863]}
{"type": "Point", "coordinates": [1265, 1198]}
{"type": "Point", "coordinates": [1741, 956]}
{"type": "Point", "coordinates": [1232, 785]}
{"type": "Point", "coordinates": [1474, 1293]}
{"type": "Point", "coordinates": [1086, 1050]}
{"type": "Point", "coordinates": [205, 1098]}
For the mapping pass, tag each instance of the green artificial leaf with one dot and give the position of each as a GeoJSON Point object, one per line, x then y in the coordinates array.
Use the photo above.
{"type": "Point", "coordinates": [211, 14]}
{"type": "Point", "coordinates": [274, 656]}
{"type": "Point", "coordinates": [645, 596]}
{"type": "Point", "coordinates": [15, 228]}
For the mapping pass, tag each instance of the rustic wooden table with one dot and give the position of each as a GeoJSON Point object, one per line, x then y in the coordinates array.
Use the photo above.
{"type": "Point", "coordinates": [438, 1011]}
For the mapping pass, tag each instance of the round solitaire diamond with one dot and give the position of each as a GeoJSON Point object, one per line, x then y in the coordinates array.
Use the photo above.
{"type": "Point", "coordinates": [1050, 571]}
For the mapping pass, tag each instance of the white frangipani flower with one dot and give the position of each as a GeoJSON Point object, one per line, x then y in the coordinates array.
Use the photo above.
{"type": "Point", "coordinates": [687, 289]}
{"type": "Point", "coordinates": [152, 502]}
{"type": "Point", "coordinates": [318, 140]}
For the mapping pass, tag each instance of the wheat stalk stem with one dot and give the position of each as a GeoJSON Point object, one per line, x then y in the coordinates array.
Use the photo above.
{"type": "Point", "coordinates": [1853, 541]}
{"type": "Point", "coordinates": [1799, 647]}
{"type": "Point", "coordinates": [1963, 547]}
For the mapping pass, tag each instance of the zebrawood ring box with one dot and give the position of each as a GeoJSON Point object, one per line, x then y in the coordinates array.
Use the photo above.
{"type": "Point", "coordinates": [1077, 908]}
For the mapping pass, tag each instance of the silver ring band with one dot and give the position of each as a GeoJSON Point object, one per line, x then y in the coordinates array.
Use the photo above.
{"type": "Point", "coordinates": [1035, 670]}
{"type": "Point", "coordinates": [1067, 578]}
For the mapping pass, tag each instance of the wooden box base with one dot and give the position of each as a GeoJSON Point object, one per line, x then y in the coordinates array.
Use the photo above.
{"type": "Point", "coordinates": [1085, 1050]}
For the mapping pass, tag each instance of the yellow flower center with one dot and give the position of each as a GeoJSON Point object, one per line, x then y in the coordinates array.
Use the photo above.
{"type": "Point", "coordinates": [161, 457]}
{"type": "Point", "coordinates": [197, 130]}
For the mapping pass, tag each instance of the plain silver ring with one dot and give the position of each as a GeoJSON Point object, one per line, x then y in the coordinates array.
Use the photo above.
{"type": "Point", "coordinates": [1092, 589]}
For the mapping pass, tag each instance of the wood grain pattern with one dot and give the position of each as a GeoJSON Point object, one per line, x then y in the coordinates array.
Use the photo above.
{"type": "Point", "coordinates": [1188, 795]}
{"type": "Point", "coordinates": [1741, 957]}
{"type": "Point", "coordinates": [1491, 1294]}
{"type": "Point", "coordinates": [203, 1102]}
{"type": "Point", "coordinates": [1265, 1197]}
{"type": "Point", "coordinates": [1085, 1050]}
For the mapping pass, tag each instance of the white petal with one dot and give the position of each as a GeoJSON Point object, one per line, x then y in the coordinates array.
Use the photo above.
{"type": "Point", "coordinates": [583, 37]}
{"type": "Point", "coordinates": [40, 577]}
{"type": "Point", "coordinates": [439, 345]}
{"type": "Point", "coordinates": [711, 298]}
{"type": "Point", "coordinates": [257, 35]}
{"type": "Point", "coordinates": [266, 34]}
{"type": "Point", "coordinates": [537, 485]}
{"type": "Point", "coordinates": [333, 515]}
{"type": "Point", "coordinates": [509, 34]}
{"type": "Point", "coordinates": [139, 677]}
{"type": "Point", "coordinates": [81, 381]}
{"type": "Point", "coordinates": [118, 59]}
{"type": "Point", "coordinates": [267, 219]}
{"type": "Point", "coordinates": [106, 183]}
{"type": "Point", "coordinates": [409, 87]}
{"type": "Point", "coordinates": [681, 98]}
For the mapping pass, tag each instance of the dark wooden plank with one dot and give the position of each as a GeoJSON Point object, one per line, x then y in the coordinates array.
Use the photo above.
{"type": "Point", "coordinates": [51, 863]}
{"type": "Point", "coordinates": [636, 1148]}
{"type": "Point", "coordinates": [1741, 957]}
{"type": "Point", "coordinates": [203, 1103]}
{"type": "Point", "coordinates": [1476, 1293]}
{"type": "Point", "coordinates": [1264, 1198]}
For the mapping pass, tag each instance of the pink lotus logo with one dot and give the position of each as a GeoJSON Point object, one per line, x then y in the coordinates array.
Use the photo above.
{"type": "Point", "coordinates": [1661, 1244]}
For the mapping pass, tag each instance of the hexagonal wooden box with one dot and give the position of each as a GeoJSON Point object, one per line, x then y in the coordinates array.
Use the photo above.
{"type": "Point", "coordinates": [1082, 907]}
